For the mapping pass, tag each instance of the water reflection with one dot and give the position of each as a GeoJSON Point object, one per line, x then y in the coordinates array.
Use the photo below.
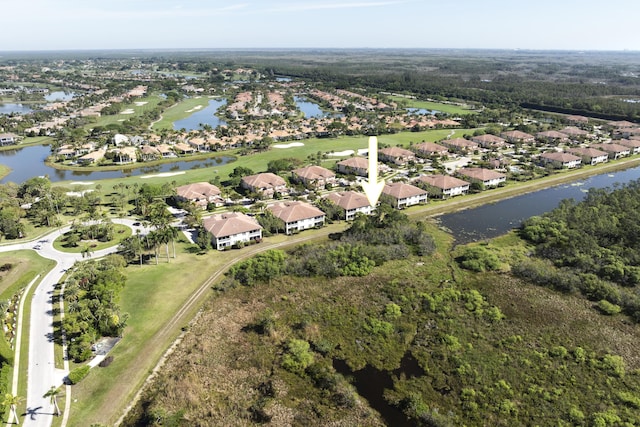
{"type": "Point", "coordinates": [34, 157]}
{"type": "Point", "coordinates": [495, 219]}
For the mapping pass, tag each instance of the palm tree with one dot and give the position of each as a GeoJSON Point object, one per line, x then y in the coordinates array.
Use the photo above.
{"type": "Point", "coordinates": [53, 395]}
{"type": "Point", "coordinates": [12, 401]}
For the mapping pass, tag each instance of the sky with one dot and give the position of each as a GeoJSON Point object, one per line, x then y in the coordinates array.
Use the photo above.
{"type": "Point", "coordinates": [229, 24]}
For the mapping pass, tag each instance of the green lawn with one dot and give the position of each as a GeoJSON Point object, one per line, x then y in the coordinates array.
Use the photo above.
{"type": "Point", "coordinates": [121, 232]}
{"type": "Point", "coordinates": [152, 102]}
{"type": "Point", "coordinates": [453, 109]}
{"type": "Point", "coordinates": [180, 111]}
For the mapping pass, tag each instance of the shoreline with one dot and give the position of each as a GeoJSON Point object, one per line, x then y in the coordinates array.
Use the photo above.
{"type": "Point", "coordinates": [471, 201]}
{"type": "Point", "coordinates": [140, 165]}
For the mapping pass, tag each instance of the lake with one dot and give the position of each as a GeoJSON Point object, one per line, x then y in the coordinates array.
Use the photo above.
{"type": "Point", "coordinates": [15, 108]}
{"type": "Point", "coordinates": [204, 116]}
{"type": "Point", "coordinates": [28, 162]}
{"type": "Point", "coordinates": [498, 218]}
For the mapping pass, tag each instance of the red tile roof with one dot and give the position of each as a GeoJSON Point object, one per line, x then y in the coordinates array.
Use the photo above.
{"type": "Point", "coordinates": [229, 224]}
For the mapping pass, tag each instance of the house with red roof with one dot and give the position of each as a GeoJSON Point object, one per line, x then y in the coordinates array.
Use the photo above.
{"type": "Point", "coordinates": [200, 194]}
{"type": "Point", "coordinates": [488, 177]}
{"type": "Point", "coordinates": [426, 149]}
{"type": "Point", "coordinates": [297, 216]}
{"type": "Point", "coordinates": [443, 186]}
{"type": "Point", "coordinates": [351, 203]}
{"type": "Point", "coordinates": [266, 184]}
{"type": "Point", "coordinates": [314, 176]}
{"type": "Point", "coordinates": [405, 195]}
{"type": "Point", "coordinates": [232, 229]}
{"type": "Point", "coordinates": [590, 156]}
{"type": "Point", "coordinates": [396, 155]}
{"type": "Point", "coordinates": [561, 160]}
{"type": "Point", "coordinates": [354, 165]}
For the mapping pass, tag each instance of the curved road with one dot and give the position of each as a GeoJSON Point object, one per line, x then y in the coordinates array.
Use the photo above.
{"type": "Point", "coordinates": [41, 371]}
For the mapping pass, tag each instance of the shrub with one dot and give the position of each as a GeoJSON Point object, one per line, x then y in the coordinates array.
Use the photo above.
{"type": "Point", "coordinates": [614, 364]}
{"type": "Point", "coordinates": [106, 362]}
{"type": "Point", "coordinates": [608, 308]}
{"type": "Point", "coordinates": [479, 259]}
{"type": "Point", "coordinates": [78, 374]}
{"type": "Point", "coordinates": [298, 356]}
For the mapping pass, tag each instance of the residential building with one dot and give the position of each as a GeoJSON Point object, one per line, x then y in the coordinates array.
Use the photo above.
{"type": "Point", "coordinates": [200, 193]}
{"type": "Point", "coordinates": [444, 186]}
{"type": "Point", "coordinates": [396, 155]}
{"type": "Point", "coordinates": [516, 136]}
{"type": "Point", "coordinates": [8, 139]}
{"type": "Point", "coordinates": [266, 184]}
{"type": "Point", "coordinates": [351, 203]}
{"type": "Point", "coordinates": [552, 136]}
{"type": "Point", "coordinates": [405, 195]}
{"type": "Point", "coordinates": [92, 157]}
{"type": "Point", "coordinates": [561, 160]}
{"type": "Point", "coordinates": [149, 153]}
{"type": "Point", "coordinates": [314, 176]}
{"type": "Point", "coordinates": [631, 144]}
{"type": "Point", "coordinates": [354, 165]}
{"type": "Point", "coordinates": [488, 177]}
{"type": "Point", "coordinates": [125, 155]}
{"type": "Point", "coordinates": [590, 156]}
{"type": "Point", "coordinates": [489, 141]}
{"type": "Point", "coordinates": [297, 215]}
{"type": "Point", "coordinates": [459, 144]}
{"type": "Point", "coordinates": [615, 151]}
{"type": "Point", "coordinates": [232, 229]}
{"type": "Point", "coordinates": [426, 149]}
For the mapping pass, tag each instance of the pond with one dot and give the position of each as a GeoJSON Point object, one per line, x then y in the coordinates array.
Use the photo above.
{"type": "Point", "coordinates": [308, 108]}
{"type": "Point", "coordinates": [59, 95]}
{"type": "Point", "coordinates": [14, 108]}
{"type": "Point", "coordinates": [203, 116]}
{"type": "Point", "coordinates": [371, 384]}
{"type": "Point", "coordinates": [498, 218]}
{"type": "Point", "coordinates": [420, 111]}
{"type": "Point", "coordinates": [28, 162]}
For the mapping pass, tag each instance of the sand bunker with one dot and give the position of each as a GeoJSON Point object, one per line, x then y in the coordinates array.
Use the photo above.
{"type": "Point", "coordinates": [196, 108]}
{"type": "Point", "coordinates": [127, 111]}
{"type": "Point", "coordinates": [293, 144]}
{"type": "Point", "coordinates": [342, 153]}
{"type": "Point", "coordinates": [82, 183]}
{"type": "Point", "coordinates": [77, 193]}
{"type": "Point", "coordinates": [140, 103]}
{"type": "Point", "coordinates": [162, 175]}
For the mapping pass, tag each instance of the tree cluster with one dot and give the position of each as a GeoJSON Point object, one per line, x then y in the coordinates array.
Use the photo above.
{"type": "Point", "coordinates": [594, 243]}
{"type": "Point", "coordinates": [92, 300]}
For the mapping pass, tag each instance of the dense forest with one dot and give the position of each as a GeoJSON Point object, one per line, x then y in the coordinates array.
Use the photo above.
{"type": "Point", "coordinates": [595, 245]}
{"type": "Point", "coordinates": [602, 85]}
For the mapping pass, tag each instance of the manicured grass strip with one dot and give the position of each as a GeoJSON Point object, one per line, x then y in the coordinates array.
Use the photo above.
{"type": "Point", "coordinates": [180, 111]}
{"type": "Point", "coordinates": [152, 102]}
{"type": "Point", "coordinates": [453, 109]}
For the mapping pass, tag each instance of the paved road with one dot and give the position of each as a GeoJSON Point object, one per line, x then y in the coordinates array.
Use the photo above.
{"type": "Point", "coordinates": [41, 371]}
